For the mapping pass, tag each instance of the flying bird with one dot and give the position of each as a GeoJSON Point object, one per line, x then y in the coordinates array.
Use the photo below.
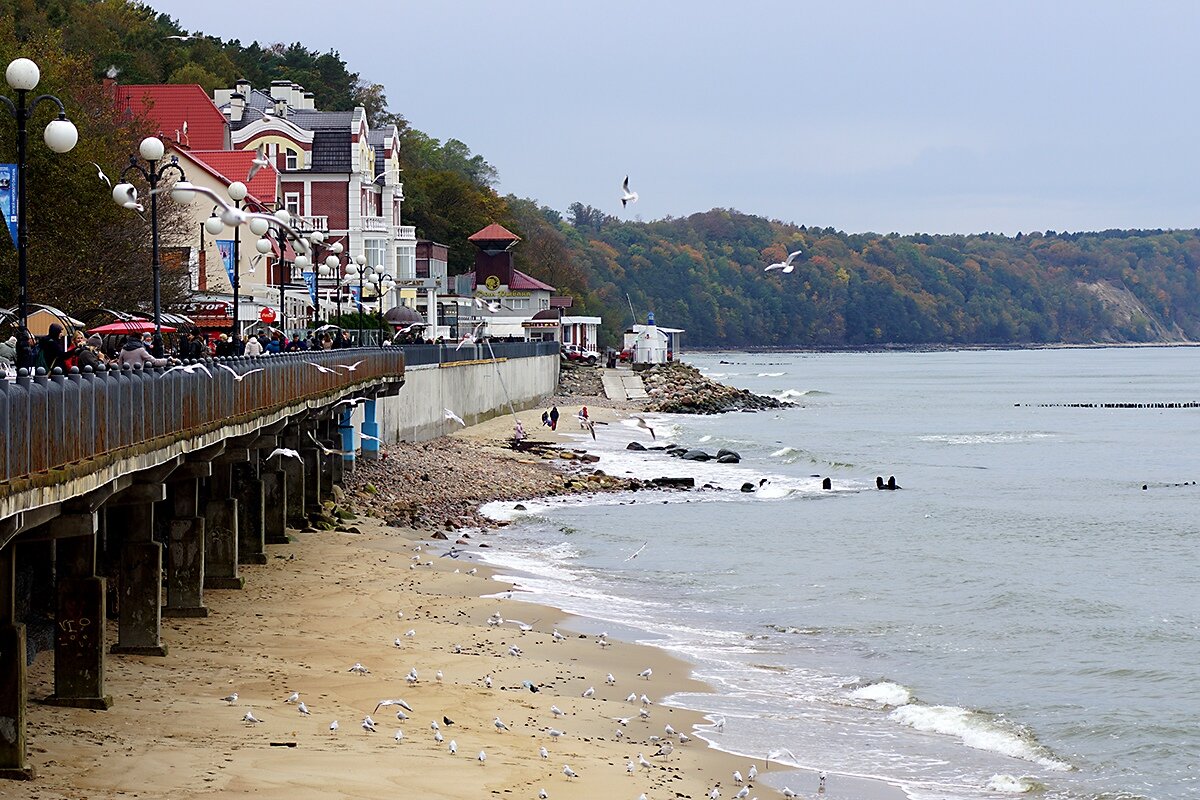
{"type": "Point", "coordinates": [181, 37]}
{"type": "Point", "coordinates": [325, 370]}
{"type": "Point", "coordinates": [637, 552]}
{"type": "Point", "coordinates": [329, 451]}
{"type": "Point", "coordinates": [286, 451]}
{"type": "Point", "coordinates": [786, 265]}
{"type": "Point", "coordinates": [260, 160]}
{"type": "Point", "coordinates": [627, 196]}
{"type": "Point", "coordinates": [641, 423]}
{"type": "Point", "coordinates": [100, 174]}
{"type": "Point", "coordinates": [448, 414]}
{"type": "Point", "coordinates": [190, 369]}
{"type": "Point", "coordinates": [239, 377]}
{"type": "Point", "coordinates": [129, 198]}
{"type": "Point", "coordinates": [349, 367]}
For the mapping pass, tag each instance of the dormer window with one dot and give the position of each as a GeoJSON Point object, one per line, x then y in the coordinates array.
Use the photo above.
{"type": "Point", "coordinates": [291, 159]}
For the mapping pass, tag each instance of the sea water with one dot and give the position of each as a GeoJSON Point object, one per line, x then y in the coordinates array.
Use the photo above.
{"type": "Point", "coordinates": [1022, 616]}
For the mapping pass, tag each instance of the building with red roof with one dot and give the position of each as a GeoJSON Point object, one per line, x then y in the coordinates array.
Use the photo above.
{"type": "Point", "coordinates": [181, 114]}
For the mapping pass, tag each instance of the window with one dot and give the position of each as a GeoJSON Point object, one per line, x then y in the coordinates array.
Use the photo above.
{"type": "Point", "coordinates": [376, 252]}
{"type": "Point", "coordinates": [291, 201]}
{"type": "Point", "coordinates": [292, 159]}
{"type": "Point", "coordinates": [517, 303]}
{"type": "Point", "coordinates": [406, 262]}
{"type": "Point", "coordinates": [544, 303]}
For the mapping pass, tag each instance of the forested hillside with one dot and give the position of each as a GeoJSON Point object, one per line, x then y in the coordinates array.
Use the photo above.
{"type": "Point", "coordinates": [704, 272]}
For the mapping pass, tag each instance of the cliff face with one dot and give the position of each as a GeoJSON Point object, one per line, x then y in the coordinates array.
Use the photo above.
{"type": "Point", "coordinates": [1131, 316]}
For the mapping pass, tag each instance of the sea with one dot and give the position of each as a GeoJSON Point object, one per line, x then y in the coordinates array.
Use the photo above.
{"type": "Point", "coordinates": [1022, 616]}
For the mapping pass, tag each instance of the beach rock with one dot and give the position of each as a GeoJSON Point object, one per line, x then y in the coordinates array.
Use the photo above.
{"type": "Point", "coordinates": [696, 455]}
{"type": "Point", "coordinates": [589, 458]}
{"type": "Point", "coordinates": [729, 458]}
{"type": "Point", "coordinates": [438, 535]}
{"type": "Point", "coordinates": [634, 446]}
{"type": "Point", "coordinates": [748, 487]}
{"type": "Point", "coordinates": [675, 483]}
{"type": "Point", "coordinates": [520, 507]}
{"type": "Point", "coordinates": [724, 451]}
{"type": "Point", "coordinates": [484, 544]}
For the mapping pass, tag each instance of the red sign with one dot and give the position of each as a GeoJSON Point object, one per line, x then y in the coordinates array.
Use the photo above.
{"type": "Point", "coordinates": [267, 315]}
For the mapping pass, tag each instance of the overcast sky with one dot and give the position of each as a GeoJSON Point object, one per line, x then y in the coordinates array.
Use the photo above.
{"type": "Point", "coordinates": [870, 115]}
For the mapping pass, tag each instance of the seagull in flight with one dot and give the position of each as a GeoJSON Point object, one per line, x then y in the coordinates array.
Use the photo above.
{"type": "Point", "coordinates": [325, 370]}
{"type": "Point", "coordinates": [637, 552]}
{"type": "Point", "coordinates": [385, 703]}
{"type": "Point", "coordinates": [349, 367]}
{"type": "Point", "coordinates": [786, 265]}
{"type": "Point", "coordinates": [351, 401]}
{"type": "Point", "coordinates": [181, 37]}
{"type": "Point", "coordinates": [627, 196]}
{"type": "Point", "coordinates": [100, 174]}
{"type": "Point", "coordinates": [232, 215]}
{"type": "Point", "coordinates": [641, 423]}
{"type": "Point", "coordinates": [286, 451]}
{"type": "Point", "coordinates": [371, 438]}
{"type": "Point", "coordinates": [451, 415]}
{"type": "Point", "coordinates": [260, 161]}
{"type": "Point", "coordinates": [329, 451]}
{"type": "Point", "coordinates": [239, 377]}
{"type": "Point", "coordinates": [190, 369]}
{"type": "Point", "coordinates": [129, 198]}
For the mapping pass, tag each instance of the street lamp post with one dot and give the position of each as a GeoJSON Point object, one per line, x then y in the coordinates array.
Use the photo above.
{"type": "Point", "coordinates": [383, 285]}
{"type": "Point", "coordinates": [360, 270]}
{"type": "Point", "coordinates": [60, 136]}
{"type": "Point", "coordinates": [237, 193]}
{"type": "Point", "coordinates": [151, 150]}
{"type": "Point", "coordinates": [261, 228]}
{"type": "Point", "coordinates": [333, 266]}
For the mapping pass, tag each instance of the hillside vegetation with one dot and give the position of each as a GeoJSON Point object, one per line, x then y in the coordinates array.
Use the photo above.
{"type": "Point", "coordinates": [704, 272]}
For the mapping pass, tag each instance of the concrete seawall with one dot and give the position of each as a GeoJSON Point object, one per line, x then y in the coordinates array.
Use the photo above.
{"type": "Point", "coordinates": [475, 390]}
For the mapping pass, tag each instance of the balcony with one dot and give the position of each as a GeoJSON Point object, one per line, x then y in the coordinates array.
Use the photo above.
{"type": "Point", "coordinates": [311, 223]}
{"type": "Point", "coordinates": [375, 224]}
{"type": "Point", "coordinates": [406, 232]}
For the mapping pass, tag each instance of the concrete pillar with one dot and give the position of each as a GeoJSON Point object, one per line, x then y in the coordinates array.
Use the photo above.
{"type": "Point", "coordinates": [275, 492]}
{"type": "Point", "coordinates": [370, 447]}
{"type": "Point", "coordinates": [314, 465]}
{"type": "Point", "coordinates": [79, 621]}
{"type": "Point", "coordinates": [139, 623]}
{"type": "Point", "coordinates": [294, 470]}
{"type": "Point", "coordinates": [248, 489]}
{"type": "Point", "coordinates": [14, 762]}
{"type": "Point", "coordinates": [185, 552]}
{"type": "Point", "coordinates": [221, 529]}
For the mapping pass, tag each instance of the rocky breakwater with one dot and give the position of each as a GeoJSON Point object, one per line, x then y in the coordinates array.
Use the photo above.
{"type": "Point", "coordinates": [678, 388]}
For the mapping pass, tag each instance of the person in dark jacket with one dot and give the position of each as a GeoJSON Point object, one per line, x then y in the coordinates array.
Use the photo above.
{"type": "Point", "coordinates": [89, 355]}
{"type": "Point", "coordinates": [52, 352]}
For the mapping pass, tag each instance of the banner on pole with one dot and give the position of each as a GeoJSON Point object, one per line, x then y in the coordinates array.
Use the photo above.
{"type": "Point", "coordinates": [225, 248]}
{"type": "Point", "coordinates": [311, 279]}
{"type": "Point", "coordinates": [354, 298]}
{"type": "Point", "coordinates": [9, 175]}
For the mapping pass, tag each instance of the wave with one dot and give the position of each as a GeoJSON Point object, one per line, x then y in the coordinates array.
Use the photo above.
{"type": "Point", "coordinates": [885, 693]}
{"type": "Point", "coordinates": [985, 438]}
{"type": "Point", "coordinates": [979, 730]}
{"type": "Point", "coordinates": [1013, 785]}
{"type": "Point", "coordinates": [784, 451]}
{"type": "Point", "coordinates": [770, 374]}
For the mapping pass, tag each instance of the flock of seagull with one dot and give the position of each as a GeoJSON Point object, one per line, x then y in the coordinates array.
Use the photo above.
{"type": "Point", "coordinates": [405, 713]}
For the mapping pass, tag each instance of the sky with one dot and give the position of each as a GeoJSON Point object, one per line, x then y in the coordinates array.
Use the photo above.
{"type": "Point", "coordinates": [934, 116]}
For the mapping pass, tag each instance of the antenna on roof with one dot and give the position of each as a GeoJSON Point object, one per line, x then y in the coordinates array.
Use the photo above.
{"type": "Point", "coordinates": [631, 309]}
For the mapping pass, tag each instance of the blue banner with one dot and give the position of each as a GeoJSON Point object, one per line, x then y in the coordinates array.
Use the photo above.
{"type": "Point", "coordinates": [225, 248]}
{"type": "Point", "coordinates": [9, 175]}
{"type": "Point", "coordinates": [311, 279]}
{"type": "Point", "coordinates": [354, 298]}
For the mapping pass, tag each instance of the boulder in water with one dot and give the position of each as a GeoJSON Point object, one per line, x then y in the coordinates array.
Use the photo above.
{"type": "Point", "coordinates": [696, 455]}
{"type": "Point", "coordinates": [748, 487]}
{"type": "Point", "coordinates": [729, 458]}
{"type": "Point", "coordinates": [634, 446]}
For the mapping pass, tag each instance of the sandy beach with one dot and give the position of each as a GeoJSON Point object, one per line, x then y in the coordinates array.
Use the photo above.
{"type": "Point", "coordinates": [388, 599]}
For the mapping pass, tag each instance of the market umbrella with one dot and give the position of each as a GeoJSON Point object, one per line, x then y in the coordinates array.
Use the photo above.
{"type": "Point", "coordinates": [130, 326]}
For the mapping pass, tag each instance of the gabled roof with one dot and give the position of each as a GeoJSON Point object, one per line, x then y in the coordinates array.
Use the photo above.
{"type": "Point", "coordinates": [169, 106]}
{"type": "Point", "coordinates": [494, 233]}
{"type": "Point", "coordinates": [331, 151]}
{"type": "Point", "coordinates": [234, 165]}
{"type": "Point", "coordinates": [522, 281]}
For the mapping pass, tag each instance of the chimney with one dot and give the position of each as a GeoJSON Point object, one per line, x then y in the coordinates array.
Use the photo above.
{"type": "Point", "coordinates": [296, 96]}
{"type": "Point", "coordinates": [310, 102]}
{"type": "Point", "coordinates": [237, 106]}
{"type": "Point", "coordinates": [280, 89]}
{"type": "Point", "coordinates": [281, 106]}
{"type": "Point", "coordinates": [242, 86]}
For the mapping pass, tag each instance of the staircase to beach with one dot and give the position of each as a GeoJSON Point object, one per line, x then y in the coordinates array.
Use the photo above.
{"type": "Point", "coordinates": [623, 384]}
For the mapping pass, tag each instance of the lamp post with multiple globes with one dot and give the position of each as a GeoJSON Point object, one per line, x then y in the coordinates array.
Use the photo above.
{"type": "Point", "coordinates": [360, 270]}
{"type": "Point", "coordinates": [60, 136]}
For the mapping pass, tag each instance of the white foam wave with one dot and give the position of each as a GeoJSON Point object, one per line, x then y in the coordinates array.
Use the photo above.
{"type": "Point", "coordinates": [885, 693]}
{"type": "Point", "coordinates": [977, 730]}
{"type": "Point", "coordinates": [784, 451]}
{"type": "Point", "coordinates": [1010, 784]}
{"type": "Point", "coordinates": [705, 438]}
{"type": "Point", "coordinates": [788, 394]}
{"type": "Point", "coordinates": [773, 491]}
{"type": "Point", "coordinates": [984, 438]}
{"type": "Point", "coordinates": [769, 374]}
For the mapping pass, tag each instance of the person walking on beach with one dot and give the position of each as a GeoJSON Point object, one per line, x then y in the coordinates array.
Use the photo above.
{"type": "Point", "coordinates": [546, 418]}
{"type": "Point", "coordinates": [518, 433]}
{"type": "Point", "coordinates": [554, 418]}
{"type": "Point", "coordinates": [583, 418]}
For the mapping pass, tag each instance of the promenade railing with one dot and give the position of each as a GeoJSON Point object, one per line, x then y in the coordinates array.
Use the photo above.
{"type": "Point", "coordinates": [423, 354]}
{"type": "Point", "coordinates": [50, 422]}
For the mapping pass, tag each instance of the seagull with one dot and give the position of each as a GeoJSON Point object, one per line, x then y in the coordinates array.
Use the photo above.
{"type": "Point", "coordinates": [437, 676]}
{"type": "Point", "coordinates": [737, 777]}
{"type": "Point", "coordinates": [487, 681]}
{"type": "Point", "coordinates": [556, 711]}
{"type": "Point", "coordinates": [180, 37]}
{"type": "Point", "coordinates": [437, 737]}
{"type": "Point", "coordinates": [715, 794]}
{"type": "Point", "coordinates": [646, 673]}
{"type": "Point", "coordinates": [641, 423]}
{"type": "Point", "coordinates": [744, 792]}
{"type": "Point", "coordinates": [399, 737]}
{"type": "Point", "coordinates": [628, 196]}
{"type": "Point", "coordinates": [349, 367]}
{"type": "Point", "coordinates": [553, 733]}
{"type": "Point", "coordinates": [684, 738]}
{"type": "Point", "coordinates": [642, 762]}
{"type": "Point", "coordinates": [787, 265]}
{"type": "Point", "coordinates": [190, 369]}
{"type": "Point", "coordinates": [294, 697]}
{"type": "Point", "coordinates": [787, 792]}
{"type": "Point", "coordinates": [329, 451]}
{"type": "Point", "coordinates": [753, 773]}
{"type": "Point", "coordinates": [591, 692]}
{"type": "Point", "coordinates": [286, 451]}
{"type": "Point", "coordinates": [325, 370]}
{"type": "Point", "coordinates": [570, 773]}
{"type": "Point", "coordinates": [400, 715]}
{"type": "Point", "coordinates": [644, 713]}
{"type": "Point", "coordinates": [368, 724]}
{"type": "Point", "coordinates": [556, 636]}
{"type": "Point", "coordinates": [630, 767]}
{"type": "Point", "coordinates": [240, 377]}
{"type": "Point", "coordinates": [542, 794]}
{"type": "Point", "coordinates": [386, 703]}
{"type": "Point", "coordinates": [530, 685]}
{"type": "Point", "coordinates": [250, 717]}
{"type": "Point", "coordinates": [446, 720]}
{"type": "Point", "coordinates": [359, 668]}
{"type": "Point", "coordinates": [638, 552]}
{"type": "Point", "coordinates": [632, 698]}
{"type": "Point", "coordinates": [665, 749]}
{"type": "Point", "coordinates": [100, 174]}
{"type": "Point", "coordinates": [482, 757]}
{"type": "Point", "coordinates": [453, 747]}
{"type": "Point", "coordinates": [413, 326]}
{"type": "Point", "coordinates": [434, 725]}
{"type": "Point", "coordinates": [231, 699]}
{"type": "Point", "coordinates": [303, 709]}
{"type": "Point", "coordinates": [669, 730]}
{"type": "Point", "coordinates": [130, 198]}
{"type": "Point", "coordinates": [499, 723]}
{"type": "Point", "coordinates": [260, 161]}
{"type": "Point", "coordinates": [254, 262]}
{"type": "Point", "coordinates": [231, 215]}
{"type": "Point", "coordinates": [645, 700]}
{"type": "Point", "coordinates": [371, 438]}
{"type": "Point", "coordinates": [543, 752]}
{"type": "Point", "coordinates": [333, 726]}
{"type": "Point", "coordinates": [448, 414]}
